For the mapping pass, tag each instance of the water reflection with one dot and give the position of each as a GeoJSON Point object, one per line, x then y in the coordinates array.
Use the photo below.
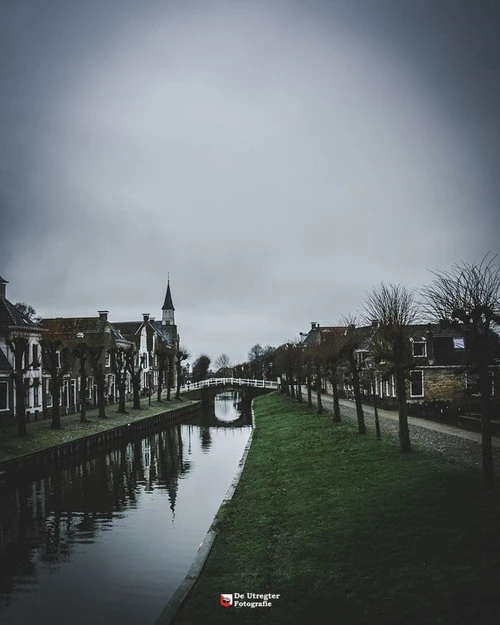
{"type": "Point", "coordinates": [127, 521]}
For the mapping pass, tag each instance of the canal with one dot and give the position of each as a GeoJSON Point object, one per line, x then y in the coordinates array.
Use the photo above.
{"type": "Point", "coordinates": [109, 539]}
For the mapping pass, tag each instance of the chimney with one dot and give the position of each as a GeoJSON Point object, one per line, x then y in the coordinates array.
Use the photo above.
{"type": "Point", "coordinates": [145, 317]}
{"type": "Point", "coordinates": [313, 325]}
{"type": "Point", "coordinates": [2, 287]}
{"type": "Point", "coordinates": [152, 319]}
{"type": "Point", "coordinates": [103, 314]}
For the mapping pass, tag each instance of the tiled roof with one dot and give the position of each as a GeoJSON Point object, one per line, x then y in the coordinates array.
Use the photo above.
{"type": "Point", "coordinates": [69, 327]}
{"type": "Point", "coordinates": [168, 333]}
{"type": "Point", "coordinates": [11, 316]}
{"type": "Point", "coordinates": [127, 328]}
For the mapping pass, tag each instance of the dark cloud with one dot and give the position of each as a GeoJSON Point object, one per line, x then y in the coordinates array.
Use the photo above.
{"type": "Point", "coordinates": [277, 158]}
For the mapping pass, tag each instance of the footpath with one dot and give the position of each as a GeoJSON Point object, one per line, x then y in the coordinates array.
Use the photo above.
{"type": "Point", "coordinates": [454, 443]}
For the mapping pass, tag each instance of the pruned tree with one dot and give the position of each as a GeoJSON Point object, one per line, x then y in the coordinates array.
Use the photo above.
{"type": "Point", "coordinates": [163, 353]}
{"type": "Point", "coordinates": [351, 343]}
{"type": "Point", "coordinates": [200, 368]}
{"type": "Point", "coordinates": [467, 298]}
{"type": "Point", "coordinates": [18, 344]}
{"type": "Point", "coordinates": [80, 351]}
{"type": "Point", "coordinates": [95, 352]}
{"type": "Point", "coordinates": [182, 355]}
{"type": "Point", "coordinates": [134, 363]}
{"type": "Point", "coordinates": [394, 308]}
{"type": "Point", "coordinates": [308, 364]}
{"type": "Point", "coordinates": [118, 362]}
{"type": "Point", "coordinates": [57, 359]}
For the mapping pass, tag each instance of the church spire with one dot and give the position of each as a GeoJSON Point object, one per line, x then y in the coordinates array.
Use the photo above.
{"type": "Point", "coordinates": [168, 304]}
{"type": "Point", "coordinates": [168, 308]}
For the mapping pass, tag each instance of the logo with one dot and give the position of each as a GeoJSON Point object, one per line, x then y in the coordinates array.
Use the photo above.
{"type": "Point", "coordinates": [226, 601]}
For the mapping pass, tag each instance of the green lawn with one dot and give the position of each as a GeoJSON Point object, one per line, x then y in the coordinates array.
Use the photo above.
{"type": "Point", "coordinates": [40, 436]}
{"type": "Point", "coordinates": [349, 531]}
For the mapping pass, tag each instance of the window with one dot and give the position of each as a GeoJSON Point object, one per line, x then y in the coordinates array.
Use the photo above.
{"type": "Point", "coordinates": [27, 356]}
{"type": "Point", "coordinates": [27, 397]}
{"type": "Point", "coordinates": [389, 388]}
{"type": "Point", "coordinates": [459, 343]}
{"type": "Point", "coordinates": [4, 396]}
{"type": "Point", "coordinates": [107, 362]}
{"type": "Point", "coordinates": [416, 383]}
{"type": "Point", "coordinates": [36, 395]}
{"type": "Point", "coordinates": [145, 362]}
{"type": "Point", "coordinates": [49, 394]}
{"type": "Point", "coordinates": [419, 348]}
{"type": "Point", "coordinates": [58, 359]}
{"type": "Point", "coordinates": [35, 352]}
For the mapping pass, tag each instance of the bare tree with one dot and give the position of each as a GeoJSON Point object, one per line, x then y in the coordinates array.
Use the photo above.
{"type": "Point", "coordinates": [18, 344]}
{"type": "Point", "coordinates": [163, 352]}
{"type": "Point", "coordinates": [95, 354]}
{"type": "Point", "coordinates": [394, 309]}
{"type": "Point", "coordinates": [135, 366]}
{"type": "Point", "coordinates": [118, 361]}
{"type": "Point", "coordinates": [57, 361]}
{"type": "Point", "coordinates": [80, 352]}
{"type": "Point", "coordinates": [222, 364]}
{"type": "Point", "coordinates": [28, 311]}
{"type": "Point", "coordinates": [182, 355]}
{"type": "Point", "coordinates": [351, 342]}
{"type": "Point", "coordinates": [330, 356]}
{"type": "Point", "coordinates": [467, 298]}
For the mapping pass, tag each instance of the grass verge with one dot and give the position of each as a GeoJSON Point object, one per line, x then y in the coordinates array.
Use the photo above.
{"type": "Point", "coordinates": [349, 531]}
{"type": "Point", "coordinates": [41, 436]}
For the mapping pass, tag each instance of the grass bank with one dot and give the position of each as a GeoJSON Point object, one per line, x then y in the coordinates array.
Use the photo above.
{"type": "Point", "coordinates": [349, 531]}
{"type": "Point", "coordinates": [41, 436]}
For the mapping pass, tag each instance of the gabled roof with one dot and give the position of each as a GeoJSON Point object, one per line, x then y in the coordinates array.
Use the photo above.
{"type": "Point", "coordinates": [10, 317]}
{"type": "Point", "coordinates": [128, 328]}
{"type": "Point", "coordinates": [168, 304]}
{"type": "Point", "coordinates": [167, 333]}
{"type": "Point", "coordinates": [69, 327]}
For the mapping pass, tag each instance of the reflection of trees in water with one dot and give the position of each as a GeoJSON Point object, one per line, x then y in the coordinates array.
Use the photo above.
{"type": "Point", "coordinates": [41, 520]}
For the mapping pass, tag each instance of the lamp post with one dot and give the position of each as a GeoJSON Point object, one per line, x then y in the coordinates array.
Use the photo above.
{"type": "Point", "coordinates": [371, 366]}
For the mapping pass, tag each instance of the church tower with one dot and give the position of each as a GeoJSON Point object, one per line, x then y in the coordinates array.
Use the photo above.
{"type": "Point", "coordinates": [168, 309]}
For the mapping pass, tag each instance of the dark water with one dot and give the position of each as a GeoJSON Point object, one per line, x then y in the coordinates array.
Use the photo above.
{"type": "Point", "coordinates": [110, 539]}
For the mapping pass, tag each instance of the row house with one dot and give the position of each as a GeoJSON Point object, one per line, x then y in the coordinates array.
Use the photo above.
{"type": "Point", "coordinates": [437, 364]}
{"type": "Point", "coordinates": [145, 337]}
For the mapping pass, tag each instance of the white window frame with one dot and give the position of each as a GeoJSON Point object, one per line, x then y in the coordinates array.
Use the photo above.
{"type": "Point", "coordinates": [36, 395]}
{"type": "Point", "coordinates": [424, 343]}
{"type": "Point", "coordinates": [412, 394]}
{"type": "Point", "coordinates": [107, 360]}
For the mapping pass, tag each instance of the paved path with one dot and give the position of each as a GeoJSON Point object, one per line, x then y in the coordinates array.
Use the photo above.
{"type": "Point", "coordinates": [455, 444]}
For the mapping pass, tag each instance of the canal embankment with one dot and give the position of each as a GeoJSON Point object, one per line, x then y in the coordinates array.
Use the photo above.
{"type": "Point", "coordinates": [44, 445]}
{"type": "Point", "coordinates": [344, 528]}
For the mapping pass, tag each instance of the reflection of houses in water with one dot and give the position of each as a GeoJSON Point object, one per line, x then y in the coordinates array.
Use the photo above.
{"type": "Point", "coordinates": [41, 519]}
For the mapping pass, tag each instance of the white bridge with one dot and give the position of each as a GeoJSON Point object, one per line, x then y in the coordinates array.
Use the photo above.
{"type": "Point", "coordinates": [230, 382]}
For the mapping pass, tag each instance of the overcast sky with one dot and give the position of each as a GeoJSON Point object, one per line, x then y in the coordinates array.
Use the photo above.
{"type": "Point", "coordinates": [277, 157]}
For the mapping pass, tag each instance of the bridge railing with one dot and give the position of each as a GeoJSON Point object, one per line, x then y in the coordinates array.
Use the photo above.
{"type": "Point", "coordinates": [193, 386]}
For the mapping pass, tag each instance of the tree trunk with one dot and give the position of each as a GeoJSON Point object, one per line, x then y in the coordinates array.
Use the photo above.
{"type": "Point", "coordinates": [309, 391]}
{"type": "Point", "coordinates": [488, 468]}
{"type": "Point", "coordinates": [404, 432]}
{"type": "Point", "coordinates": [336, 404]}
{"type": "Point", "coordinates": [178, 386]}
{"type": "Point", "coordinates": [160, 386]}
{"type": "Point", "coordinates": [169, 378]}
{"type": "Point", "coordinates": [357, 397]}
{"type": "Point", "coordinates": [83, 392]}
{"type": "Point", "coordinates": [20, 405]}
{"type": "Point", "coordinates": [121, 394]}
{"type": "Point", "coordinates": [136, 386]}
{"type": "Point", "coordinates": [56, 411]}
{"type": "Point", "coordinates": [101, 392]}
{"type": "Point", "coordinates": [299, 389]}
{"type": "Point", "coordinates": [318, 393]}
